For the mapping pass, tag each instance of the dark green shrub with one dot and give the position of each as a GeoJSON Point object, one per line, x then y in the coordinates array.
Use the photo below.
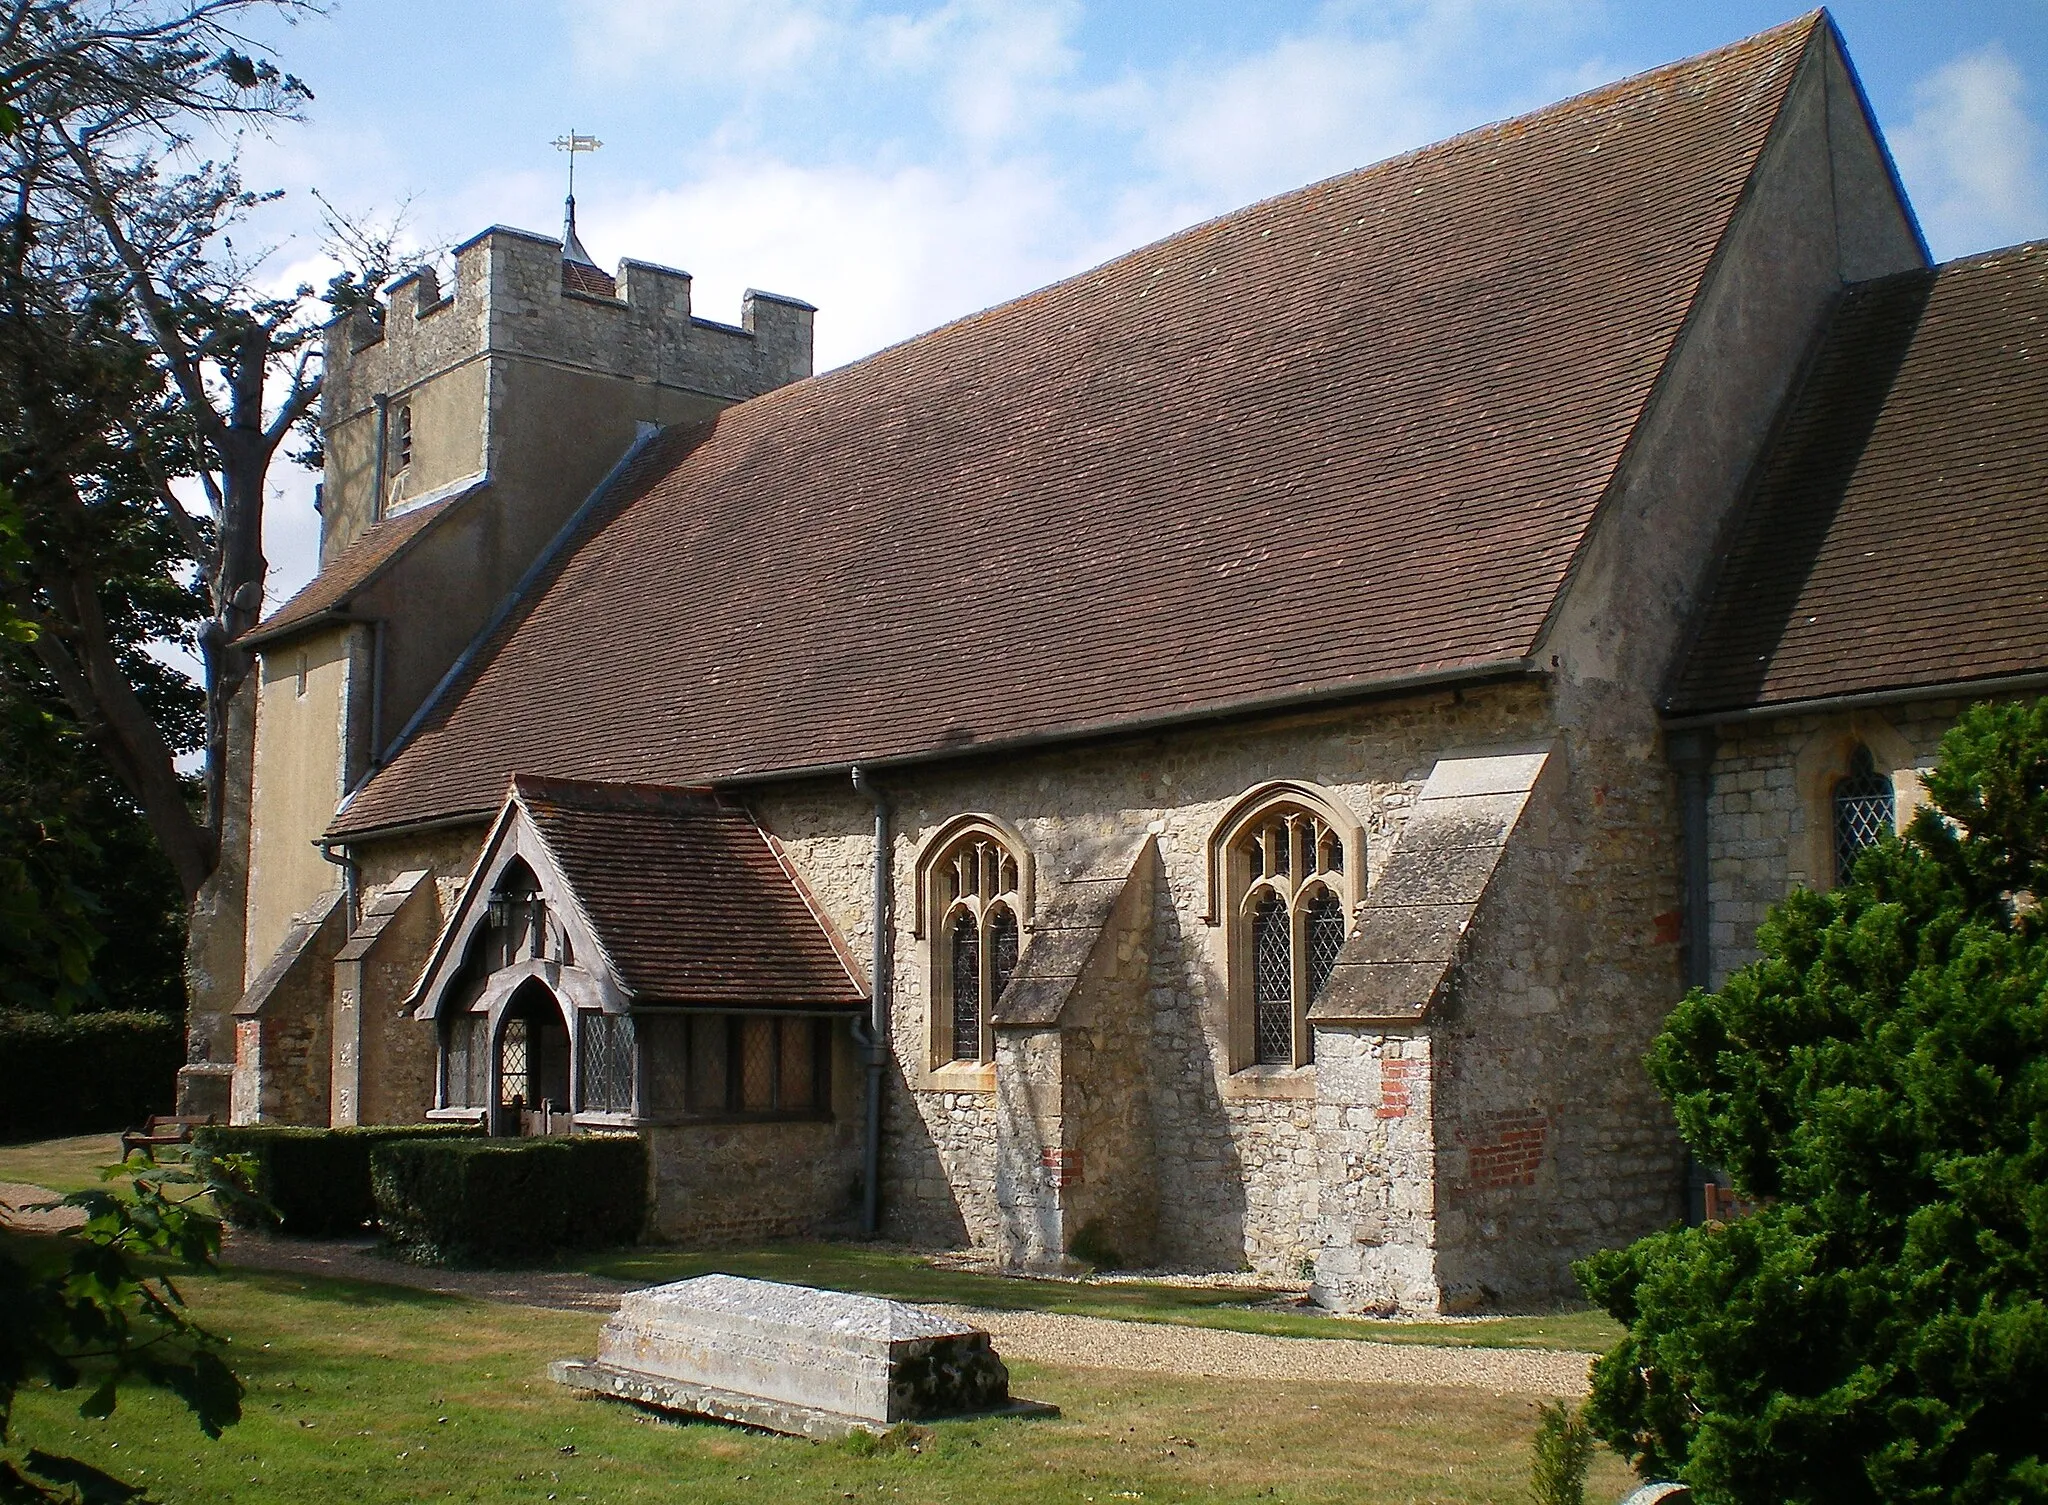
{"type": "Point", "coordinates": [496, 1201]}
{"type": "Point", "coordinates": [1877, 1086]}
{"type": "Point", "coordinates": [1561, 1455]}
{"type": "Point", "coordinates": [85, 1074]}
{"type": "Point", "coordinates": [316, 1180]}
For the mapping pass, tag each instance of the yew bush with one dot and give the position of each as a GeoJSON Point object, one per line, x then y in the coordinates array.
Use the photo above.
{"type": "Point", "coordinates": [1877, 1085]}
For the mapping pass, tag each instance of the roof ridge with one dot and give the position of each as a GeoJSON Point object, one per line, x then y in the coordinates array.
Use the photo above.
{"type": "Point", "coordinates": [609, 794]}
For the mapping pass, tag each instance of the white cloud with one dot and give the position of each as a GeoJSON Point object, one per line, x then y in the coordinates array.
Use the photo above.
{"type": "Point", "coordinates": [1304, 109]}
{"type": "Point", "coordinates": [884, 254]}
{"type": "Point", "coordinates": [1971, 157]}
{"type": "Point", "coordinates": [700, 39]}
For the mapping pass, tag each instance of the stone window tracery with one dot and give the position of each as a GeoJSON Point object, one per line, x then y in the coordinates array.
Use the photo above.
{"type": "Point", "coordinates": [1285, 870]}
{"type": "Point", "coordinates": [973, 889]}
{"type": "Point", "coordinates": [1864, 809]}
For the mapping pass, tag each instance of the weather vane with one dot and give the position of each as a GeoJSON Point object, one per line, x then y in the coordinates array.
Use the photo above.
{"type": "Point", "coordinates": [572, 144]}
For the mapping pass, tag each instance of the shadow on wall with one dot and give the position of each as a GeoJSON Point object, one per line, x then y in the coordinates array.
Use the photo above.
{"type": "Point", "coordinates": [920, 1204]}
{"type": "Point", "coordinates": [1202, 1201]}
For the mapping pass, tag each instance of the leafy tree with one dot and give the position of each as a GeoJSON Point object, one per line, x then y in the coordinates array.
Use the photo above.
{"type": "Point", "coordinates": [92, 1309]}
{"type": "Point", "coordinates": [1877, 1083]}
{"type": "Point", "coordinates": [103, 237]}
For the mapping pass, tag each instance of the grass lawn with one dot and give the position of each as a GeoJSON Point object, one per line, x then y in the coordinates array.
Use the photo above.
{"type": "Point", "coordinates": [368, 1393]}
{"type": "Point", "coordinates": [63, 1165]}
{"type": "Point", "coordinates": [893, 1272]}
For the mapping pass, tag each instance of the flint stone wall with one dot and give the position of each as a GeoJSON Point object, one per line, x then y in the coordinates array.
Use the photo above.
{"type": "Point", "coordinates": [1766, 834]}
{"type": "Point", "coordinates": [1235, 1157]}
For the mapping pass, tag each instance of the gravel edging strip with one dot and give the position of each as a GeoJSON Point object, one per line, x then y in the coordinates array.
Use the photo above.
{"type": "Point", "coordinates": [1167, 1348]}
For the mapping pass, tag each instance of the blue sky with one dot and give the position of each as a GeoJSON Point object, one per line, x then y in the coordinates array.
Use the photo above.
{"type": "Point", "coordinates": [903, 163]}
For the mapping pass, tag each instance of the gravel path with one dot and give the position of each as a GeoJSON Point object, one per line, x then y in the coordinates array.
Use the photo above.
{"type": "Point", "coordinates": [1040, 1337]}
{"type": "Point", "coordinates": [1160, 1348]}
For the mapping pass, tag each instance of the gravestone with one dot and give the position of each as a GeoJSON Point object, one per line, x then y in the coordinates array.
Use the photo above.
{"type": "Point", "coordinates": [1659, 1494]}
{"type": "Point", "coordinates": [793, 1359]}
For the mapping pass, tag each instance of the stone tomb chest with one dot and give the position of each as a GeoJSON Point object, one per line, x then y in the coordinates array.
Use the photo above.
{"type": "Point", "coordinates": [792, 1359]}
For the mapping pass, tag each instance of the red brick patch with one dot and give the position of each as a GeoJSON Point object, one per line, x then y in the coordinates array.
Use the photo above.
{"type": "Point", "coordinates": [1395, 1075]}
{"type": "Point", "coordinates": [1503, 1149]}
{"type": "Point", "coordinates": [1063, 1167]}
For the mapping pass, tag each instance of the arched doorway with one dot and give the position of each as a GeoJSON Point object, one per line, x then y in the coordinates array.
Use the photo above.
{"type": "Point", "coordinates": [533, 1065]}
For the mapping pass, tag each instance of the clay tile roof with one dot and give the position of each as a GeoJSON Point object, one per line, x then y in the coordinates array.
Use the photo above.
{"type": "Point", "coordinates": [693, 901]}
{"type": "Point", "coordinates": [1340, 438]}
{"type": "Point", "coordinates": [1898, 534]}
{"type": "Point", "coordinates": [350, 570]}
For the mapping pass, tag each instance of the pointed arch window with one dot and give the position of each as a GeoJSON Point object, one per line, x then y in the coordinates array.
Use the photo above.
{"type": "Point", "coordinates": [974, 886]}
{"type": "Point", "coordinates": [1865, 809]}
{"type": "Point", "coordinates": [1287, 872]}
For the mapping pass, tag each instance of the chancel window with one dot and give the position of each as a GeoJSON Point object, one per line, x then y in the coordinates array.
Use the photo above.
{"type": "Point", "coordinates": [750, 1065]}
{"type": "Point", "coordinates": [1865, 807]}
{"type": "Point", "coordinates": [1286, 874]}
{"type": "Point", "coordinates": [974, 890]}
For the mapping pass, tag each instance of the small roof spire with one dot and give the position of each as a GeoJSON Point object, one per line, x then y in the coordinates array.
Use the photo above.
{"type": "Point", "coordinates": [572, 248]}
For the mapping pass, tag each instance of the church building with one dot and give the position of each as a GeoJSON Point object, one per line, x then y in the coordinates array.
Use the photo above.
{"type": "Point", "coordinates": [1225, 761]}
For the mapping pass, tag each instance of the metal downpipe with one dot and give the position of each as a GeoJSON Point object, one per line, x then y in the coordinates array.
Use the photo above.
{"type": "Point", "coordinates": [875, 1045]}
{"type": "Point", "coordinates": [1691, 755]}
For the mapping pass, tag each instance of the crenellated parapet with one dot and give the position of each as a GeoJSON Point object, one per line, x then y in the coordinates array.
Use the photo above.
{"type": "Point", "coordinates": [511, 298]}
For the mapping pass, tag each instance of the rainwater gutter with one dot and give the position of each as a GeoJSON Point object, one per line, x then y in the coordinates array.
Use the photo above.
{"type": "Point", "coordinates": [875, 1045]}
{"type": "Point", "coordinates": [347, 864]}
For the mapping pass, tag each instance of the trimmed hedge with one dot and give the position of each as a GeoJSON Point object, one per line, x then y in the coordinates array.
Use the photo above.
{"type": "Point", "coordinates": [318, 1180]}
{"type": "Point", "coordinates": [86, 1074]}
{"type": "Point", "coordinates": [498, 1201]}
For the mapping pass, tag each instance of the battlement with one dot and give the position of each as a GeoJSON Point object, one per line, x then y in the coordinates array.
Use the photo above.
{"type": "Point", "coordinates": [512, 299]}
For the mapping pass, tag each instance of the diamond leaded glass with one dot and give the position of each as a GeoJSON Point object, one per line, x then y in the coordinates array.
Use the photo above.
{"type": "Point", "coordinates": [1002, 946]}
{"type": "Point", "coordinates": [1273, 983]}
{"type": "Point", "coordinates": [1325, 938]}
{"type": "Point", "coordinates": [605, 1061]}
{"type": "Point", "coordinates": [1863, 811]}
{"type": "Point", "coordinates": [758, 1057]}
{"type": "Point", "coordinates": [966, 988]}
{"type": "Point", "coordinates": [512, 1063]}
{"type": "Point", "coordinates": [666, 1040]}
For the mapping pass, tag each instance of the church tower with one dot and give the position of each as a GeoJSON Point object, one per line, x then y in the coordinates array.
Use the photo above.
{"type": "Point", "coordinates": [462, 432]}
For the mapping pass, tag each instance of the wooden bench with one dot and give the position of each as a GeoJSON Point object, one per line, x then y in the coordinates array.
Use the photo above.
{"type": "Point", "coordinates": [161, 1129]}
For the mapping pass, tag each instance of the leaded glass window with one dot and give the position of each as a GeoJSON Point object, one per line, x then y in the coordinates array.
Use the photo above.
{"type": "Point", "coordinates": [605, 1062]}
{"type": "Point", "coordinates": [1290, 894]}
{"type": "Point", "coordinates": [467, 1079]}
{"type": "Point", "coordinates": [1325, 939]}
{"type": "Point", "coordinates": [665, 1042]}
{"type": "Point", "coordinates": [718, 1065]}
{"type": "Point", "coordinates": [973, 889]}
{"type": "Point", "coordinates": [967, 1000]}
{"type": "Point", "coordinates": [514, 1064]}
{"type": "Point", "coordinates": [1273, 981]}
{"type": "Point", "coordinates": [1864, 810]}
